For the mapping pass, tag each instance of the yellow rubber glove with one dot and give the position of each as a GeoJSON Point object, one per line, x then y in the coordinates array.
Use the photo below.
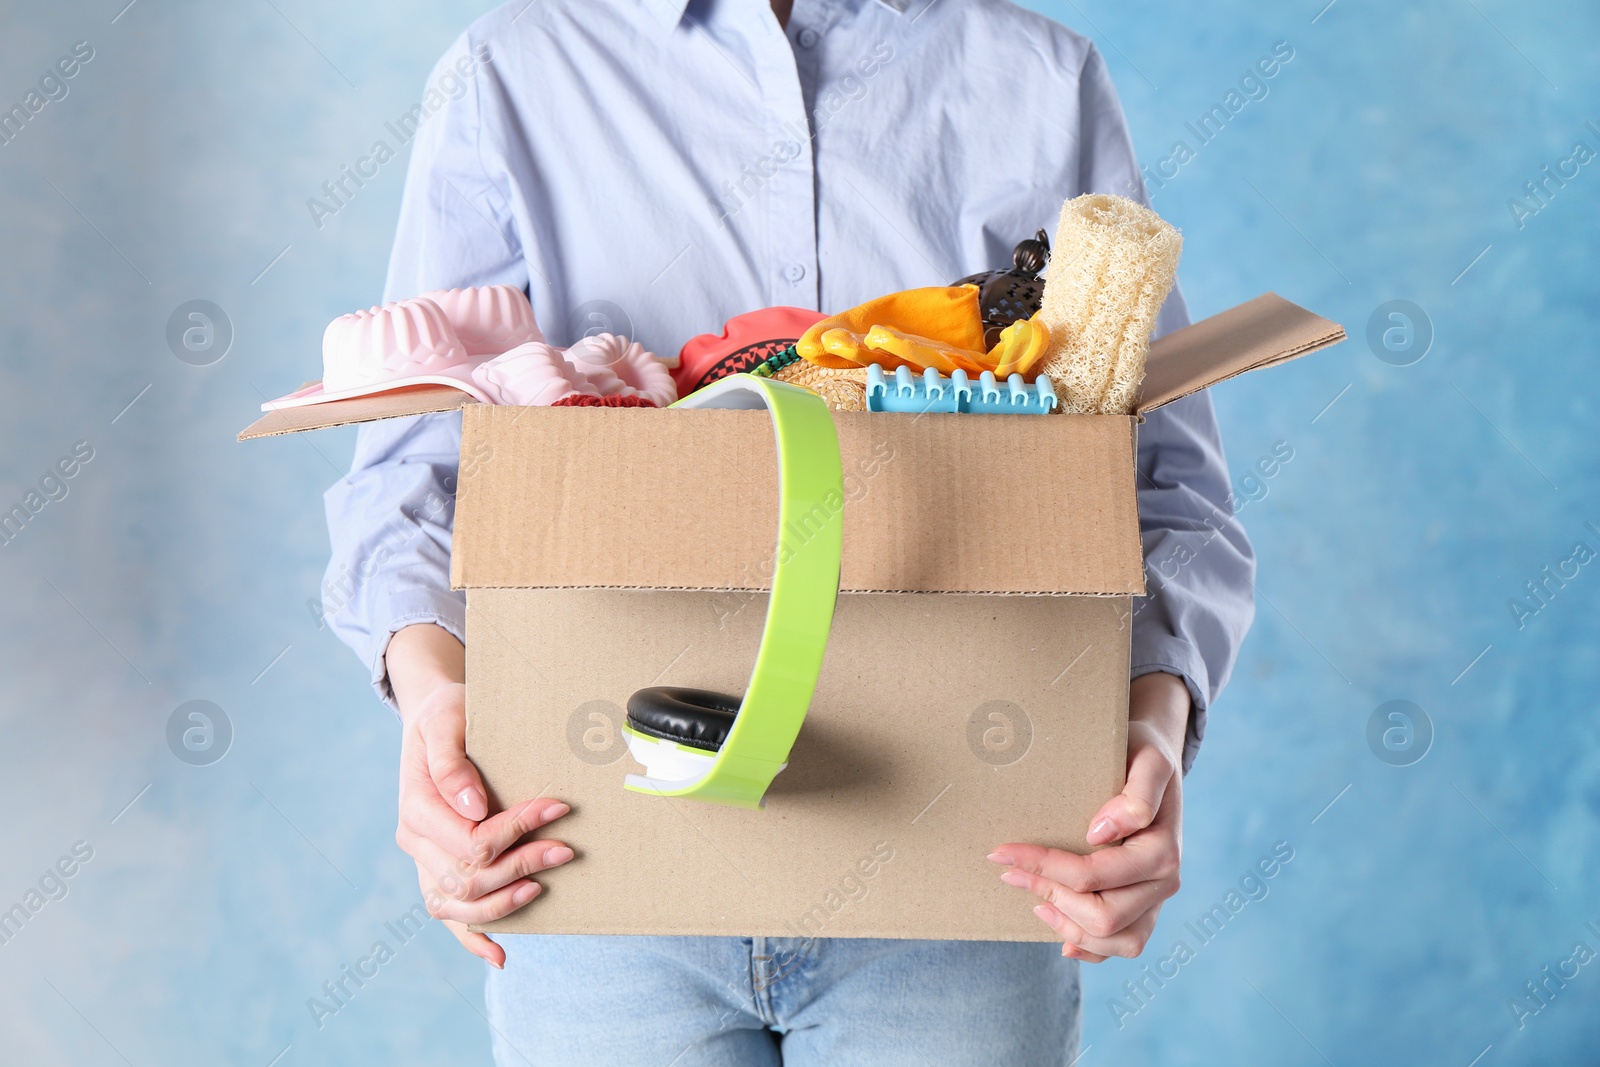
{"type": "Point", "coordinates": [943, 317]}
{"type": "Point", "coordinates": [1020, 348]}
{"type": "Point", "coordinates": [893, 348]}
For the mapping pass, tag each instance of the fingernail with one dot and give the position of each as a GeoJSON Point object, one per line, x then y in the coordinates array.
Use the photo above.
{"type": "Point", "coordinates": [1044, 915]}
{"type": "Point", "coordinates": [554, 811]}
{"type": "Point", "coordinates": [525, 892]}
{"type": "Point", "coordinates": [1014, 878]}
{"type": "Point", "coordinates": [470, 803]}
{"type": "Point", "coordinates": [559, 854]}
{"type": "Point", "coordinates": [1102, 831]}
{"type": "Point", "coordinates": [999, 857]}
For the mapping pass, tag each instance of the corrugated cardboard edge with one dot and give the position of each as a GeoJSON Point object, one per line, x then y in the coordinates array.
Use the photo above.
{"type": "Point", "coordinates": [419, 400]}
{"type": "Point", "coordinates": [1259, 333]}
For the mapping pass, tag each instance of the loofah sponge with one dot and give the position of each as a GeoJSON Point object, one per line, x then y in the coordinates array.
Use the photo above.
{"type": "Point", "coordinates": [1111, 268]}
{"type": "Point", "coordinates": [844, 388]}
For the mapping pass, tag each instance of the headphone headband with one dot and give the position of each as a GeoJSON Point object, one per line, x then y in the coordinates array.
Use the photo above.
{"type": "Point", "coordinates": [805, 586]}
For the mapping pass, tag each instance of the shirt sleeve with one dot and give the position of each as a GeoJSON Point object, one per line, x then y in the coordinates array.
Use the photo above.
{"type": "Point", "coordinates": [390, 518]}
{"type": "Point", "coordinates": [1199, 566]}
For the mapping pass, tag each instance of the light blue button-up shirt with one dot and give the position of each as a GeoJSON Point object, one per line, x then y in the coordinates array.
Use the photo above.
{"type": "Point", "coordinates": [653, 167]}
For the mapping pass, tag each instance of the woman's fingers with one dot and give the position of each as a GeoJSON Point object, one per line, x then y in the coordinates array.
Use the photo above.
{"type": "Point", "coordinates": [478, 944]}
{"type": "Point", "coordinates": [425, 812]}
{"type": "Point", "coordinates": [425, 817]}
{"type": "Point", "coordinates": [476, 872]}
{"type": "Point", "coordinates": [469, 882]}
{"type": "Point", "coordinates": [1136, 806]}
{"type": "Point", "coordinates": [1127, 943]}
{"type": "Point", "coordinates": [1052, 918]}
{"type": "Point", "coordinates": [496, 835]}
{"type": "Point", "coordinates": [487, 908]}
{"type": "Point", "coordinates": [1104, 903]}
{"type": "Point", "coordinates": [444, 735]}
{"type": "Point", "coordinates": [1100, 915]}
{"type": "Point", "coordinates": [1073, 952]}
{"type": "Point", "coordinates": [1149, 856]}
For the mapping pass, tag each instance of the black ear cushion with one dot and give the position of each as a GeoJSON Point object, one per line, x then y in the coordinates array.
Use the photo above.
{"type": "Point", "coordinates": [693, 717]}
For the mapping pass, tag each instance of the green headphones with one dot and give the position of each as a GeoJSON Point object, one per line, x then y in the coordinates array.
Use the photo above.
{"type": "Point", "coordinates": [725, 749]}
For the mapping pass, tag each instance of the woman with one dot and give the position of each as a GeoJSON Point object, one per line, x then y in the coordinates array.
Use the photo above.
{"type": "Point", "coordinates": [654, 167]}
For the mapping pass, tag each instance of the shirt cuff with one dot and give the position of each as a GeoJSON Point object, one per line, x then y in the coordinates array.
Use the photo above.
{"type": "Point", "coordinates": [442, 608]}
{"type": "Point", "coordinates": [1171, 656]}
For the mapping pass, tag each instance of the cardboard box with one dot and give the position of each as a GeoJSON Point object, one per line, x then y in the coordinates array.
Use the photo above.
{"type": "Point", "coordinates": [976, 681]}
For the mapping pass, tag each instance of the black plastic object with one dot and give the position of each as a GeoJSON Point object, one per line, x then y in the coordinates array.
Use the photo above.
{"type": "Point", "coordinates": [698, 718]}
{"type": "Point", "coordinates": [1004, 296]}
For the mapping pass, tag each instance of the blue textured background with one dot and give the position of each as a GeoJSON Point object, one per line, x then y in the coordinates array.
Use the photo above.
{"type": "Point", "coordinates": [179, 565]}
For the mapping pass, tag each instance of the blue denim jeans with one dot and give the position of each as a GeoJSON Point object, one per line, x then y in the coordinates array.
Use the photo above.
{"type": "Point", "coordinates": [755, 1001]}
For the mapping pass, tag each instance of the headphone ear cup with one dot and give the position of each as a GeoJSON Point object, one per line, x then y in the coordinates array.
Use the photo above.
{"type": "Point", "coordinates": [697, 718]}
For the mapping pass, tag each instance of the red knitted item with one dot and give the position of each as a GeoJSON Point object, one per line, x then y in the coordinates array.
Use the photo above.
{"type": "Point", "coordinates": [584, 400]}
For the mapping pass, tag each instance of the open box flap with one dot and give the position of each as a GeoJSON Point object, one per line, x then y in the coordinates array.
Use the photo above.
{"type": "Point", "coordinates": [414, 400]}
{"type": "Point", "coordinates": [555, 498]}
{"type": "Point", "coordinates": [1258, 333]}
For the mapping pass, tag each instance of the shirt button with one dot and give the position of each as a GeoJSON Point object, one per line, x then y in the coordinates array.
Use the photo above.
{"type": "Point", "coordinates": [808, 38]}
{"type": "Point", "coordinates": [794, 272]}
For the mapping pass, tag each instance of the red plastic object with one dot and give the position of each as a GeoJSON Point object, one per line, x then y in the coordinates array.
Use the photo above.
{"type": "Point", "coordinates": [746, 340]}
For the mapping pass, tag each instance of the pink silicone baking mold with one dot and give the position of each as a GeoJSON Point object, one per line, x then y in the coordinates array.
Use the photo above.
{"type": "Point", "coordinates": [530, 375]}
{"type": "Point", "coordinates": [409, 342]}
{"type": "Point", "coordinates": [618, 365]}
{"type": "Point", "coordinates": [489, 319]}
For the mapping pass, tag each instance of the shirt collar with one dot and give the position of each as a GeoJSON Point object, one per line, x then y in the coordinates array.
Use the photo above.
{"type": "Point", "coordinates": [670, 12]}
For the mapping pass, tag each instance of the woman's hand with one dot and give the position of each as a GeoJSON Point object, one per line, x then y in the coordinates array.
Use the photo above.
{"type": "Point", "coordinates": [1106, 903]}
{"type": "Point", "coordinates": [470, 867]}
